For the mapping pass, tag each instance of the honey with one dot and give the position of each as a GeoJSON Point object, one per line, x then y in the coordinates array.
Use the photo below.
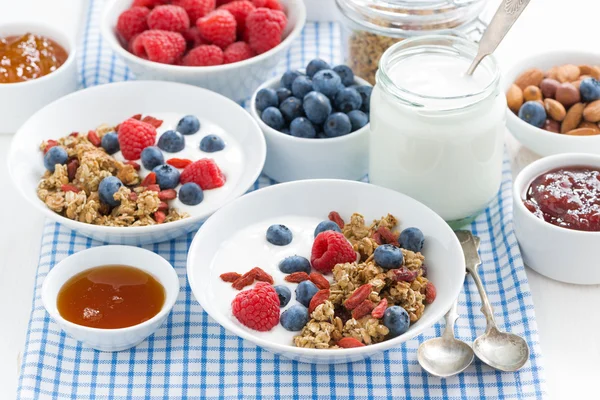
{"type": "Point", "coordinates": [27, 57]}
{"type": "Point", "coordinates": [110, 297]}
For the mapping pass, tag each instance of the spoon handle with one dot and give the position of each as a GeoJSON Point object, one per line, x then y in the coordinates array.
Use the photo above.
{"type": "Point", "coordinates": [506, 15]}
{"type": "Point", "coordinates": [451, 317]}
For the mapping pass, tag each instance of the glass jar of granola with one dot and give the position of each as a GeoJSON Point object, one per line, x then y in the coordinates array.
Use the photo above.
{"type": "Point", "coordinates": [437, 133]}
{"type": "Point", "coordinates": [370, 27]}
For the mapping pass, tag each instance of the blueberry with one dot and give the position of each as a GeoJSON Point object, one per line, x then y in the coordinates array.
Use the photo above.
{"type": "Point", "coordinates": [292, 264]}
{"type": "Point", "coordinates": [171, 141]}
{"type": "Point", "coordinates": [412, 239]}
{"type": "Point", "coordinates": [301, 86]}
{"type": "Point", "coordinates": [322, 135]}
{"type": "Point", "coordinates": [294, 318]}
{"type": "Point", "coordinates": [396, 319]}
{"type": "Point", "coordinates": [284, 294]}
{"type": "Point", "coordinates": [317, 107]}
{"type": "Point", "coordinates": [345, 73]}
{"type": "Point", "coordinates": [302, 127]}
{"type": "Point", "coordinates": [279, 235]}
{"type": "Point", "coordinates": [365, 93]}
{"type": "Point", "coordinates": [283, 93]}
{"type": "Point", "coordinates": [266, 97]}
{"type": "Point", "coordinates": [107, 188]}
{"type": "Point", "coordinates": [110, 143]}
{"type": "Point", "coordinates": [337, 124]}
{"type": "Point", "coordinates": [533, 113]}
{"type": "Point", "coordinates": [348, 99]}
{"type": "Point", "coordinates": [291, 108]}
{"type": "Point", "coordinates": [286, 131]}
{"type": "Point", "coordinates": [305, 292]}
{"type": "Point", "coordinates": [326, 226]}
{"type": "Point", "coordinates": [191, 194]}
{"type": "Point", "coordinates": [590, 90]}
{"type": "Point", "coordinates": [167, 176]}
{"type": "Point", "coordinates": [288, 78]}
{"type": "Point", "coordinates": [327, 82]}
{"type": "Point", "coordinates": [358, 119]}
{"type": "Point", "coordinates": [56, 155]}
{"type": "Point", "coordinates": [212, 143]}
{"type": "Point", "coordinates": [315, 66]}
{"type": "Point", "coordinates": [188, 125]}
{"type": "Point", "coordinates": [388, 256]}
{"type": "Point", "coordinates": [152, 157]}
{"type": "Point", "coordinates": [272, 117]}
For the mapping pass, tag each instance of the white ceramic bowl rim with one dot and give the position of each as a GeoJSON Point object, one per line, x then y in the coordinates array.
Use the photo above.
{"type": "Point", "coordinates": [165, 309]}
{"type": "Point", "coordinates": [271, 82]}
{"type": "Point", "coordinates": [527, 175]}
{"type": "Point", "coordinates": [236, 192]}
{"type": "Point", "coordinates": [109, 33]}
{"type": "Point", "coordinates": [301, 351]}
{"type": "Point", "coordinates": [58, 36]}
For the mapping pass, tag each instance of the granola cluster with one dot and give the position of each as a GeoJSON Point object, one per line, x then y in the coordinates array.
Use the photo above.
{"type": "Point", "coordinates": [406, 287]}
{"type": "Point", "coordinates": [72, 189]}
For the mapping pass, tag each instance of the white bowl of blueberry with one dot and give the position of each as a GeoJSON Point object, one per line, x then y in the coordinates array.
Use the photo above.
{"type": "Point", "coordinates": [315, 122]}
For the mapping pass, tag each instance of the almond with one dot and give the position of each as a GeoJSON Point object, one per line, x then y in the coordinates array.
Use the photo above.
{"type": "Point", "coordinates": [595, 72]}
{"type": "Point", "coordinates": [573, 118]}
{"type": "Point", "coordinates": [551, 73]}
{"type": "Point", "coordinates": [555, 110]}
{"type": "Point", "coordinates": [585, 69]}
{"type": "Point", "coordinates": [592, 111]}
{"type": "Point", "coordinates": [567, 73]}
{"type": "Point", "coordinates": [576, 84]}
{"type": "Point", "coordinates": [532, 76]}
{"type": "Point", "coordinates": [532, 93]}
{"type": "Point", "coordinates": [583, 132]}
{"type": "Point", "coordinates": [590, 125]}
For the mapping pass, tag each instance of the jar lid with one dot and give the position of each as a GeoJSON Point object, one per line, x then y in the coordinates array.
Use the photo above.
{"type": "Point", "coordinates": [403, 18]}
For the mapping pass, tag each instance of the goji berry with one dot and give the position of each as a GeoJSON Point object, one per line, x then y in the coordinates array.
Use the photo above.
{"type": "Point", "coordinates": [430, 293]}
{"type": "Point", "coordinates": [162, 206]}
{"type": "Point", "coordinates": [319, 280]}
{"type": "Point", "coordinates": [179, 162]}
{"type": "Point", "coordinates": [377, 238]}
{"type": "Point", "coordinates": [363, 309]}
{"type": "Point", "coordinates": [261, 275]}
{"type": "Point", "coordinates": [404, 274]}
{"type": "Point", "coordinates": [424, 270]}
{"type": "Point", "coordinates": [74, 134]}
{"type": "Point", "coordinates": [94, 138]}
{"type": "Point", "coordinates": [137, 116]}
{"type": "Point", "coordinates": [318, 299]}
{"type": "Point", "coordinates": [230, 276]}
{"type": "Point", "coordinates": [380, 309]}
{"type": "Point", "coordinates": [154, 187]}
{"type": "Point", "coordinates": [387, 235]}
{"type": "Point", "coordinates": [50, 144]}
{"type": "Point", "coordinates": [69, 188]}
{"type": "Point", "coordinates": [72, 168]}
{"type": "Point", "coordinates": [159, 217]}
{"type": "Point", "coordinates": [150, 179]}
{"type": "Point", "coordinates": [335, 217]}
{"type": "Point", "coordinates": [168, 194]}
{"type": "Point", "coordinates": [135, 165]}
{"type": "Point", "coordinates": [243, 281]}
{"type": "Point", "coordinates": [358, 296]}
{"type": "Point", "coordinates": [155, 122]}
{"type": "Point", "coordinates": [297, 277]}
{"type": "Point", "coordinates": [133, 197]}
{"type": "Point", "coordinates": [349, 342]}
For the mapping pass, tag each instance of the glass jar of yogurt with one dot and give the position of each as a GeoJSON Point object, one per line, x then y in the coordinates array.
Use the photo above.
{"type": "Point", "coordinates": [436, 133]}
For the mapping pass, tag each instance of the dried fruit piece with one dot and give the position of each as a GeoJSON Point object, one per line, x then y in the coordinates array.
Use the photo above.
{"type": "Point", "coordinates": [133, 196]}
{"type": "Point", "coordinates": [243, 281]}
{"type": "Point", "coordinates": [72, 168]}
{"type": "Point", "coordinates": [135, 165]}
{"type": "Point", "coordinates": [349, 342]}
{"type": "Point", "coordinates": [377, 238]}
{"type": "Point", "coordinates": [159, 217]}
{"type": "Point", "coordinates": [168, 194]}
{"type": "Point", "coordinates": [380, 309]}
{"type": "Point", "coordinates": [403, 274]}
{"type": "Point", "coordinates": [358, 296]}
{"type": "Point", "coordinates": [162, 206]}
{"type": "Point", "coordinates": [297, 277]}
{"type": "Point", "coordinates": [260, 275]}
{"type": "Point", "coordinates": [150, 179]}
{"type": "Point", "coordinates": [430, 293]}
{"type": "Point", "coordinates": [363, 309]}
{"type": "Point", "coordinates": [319, 280]}
{"type": "Point", "coordinates": [179, 162]}
{"type": "Point", "coordinates": [49, 144]}
{"type": "Point", "coordinates": [335, 217]}
{"type": "Point", "coordinates": [69, 188]}
{"type": "Point", "coordinates": [155, 122]}
{"type": "Point", "coordinates": [387, 235]}
{"type": "Point", "coordinates": [94, 138]}
{"type": "Point", "coordinates": [153, 188]}
{"type": "Point", "coordinates": [318, 299]}
{"type": "Point", "coordinates": [230, 276]}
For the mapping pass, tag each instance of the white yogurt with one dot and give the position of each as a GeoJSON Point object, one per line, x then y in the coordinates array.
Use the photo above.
{"type": "Point", "coordinates": [248, 249]}
{"type": "Point", "coordinates": [446, 151]}
{"type": "Point", "coordinates": [230, 160]}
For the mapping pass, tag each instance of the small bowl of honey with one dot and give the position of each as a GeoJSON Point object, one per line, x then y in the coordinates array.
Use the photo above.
{"type": "Point", "coordinates": [111, 298]}
{"type": "Point", "coordinates": [37, 66]}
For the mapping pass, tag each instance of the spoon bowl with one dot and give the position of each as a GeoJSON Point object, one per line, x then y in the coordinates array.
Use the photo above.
{"type": "Point", "coordinates": [501, 350]}
{"type": "Point", "coordinates": [444, 357]}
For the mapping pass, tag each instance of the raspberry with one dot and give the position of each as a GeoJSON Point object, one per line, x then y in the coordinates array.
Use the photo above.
{"type": "Point", "coordinates": [135, 136]}
{"type": "Point", "coordinates": [272, 4]}
{"type": "Point", "coordinates": [193, 37]}
{"type": "Point", "coordinates": [221, 2]}
{"type": "Point", "coordinates": [257, 308]}
{"type": "Point", "coordinates": [205, 173]}
{"type": "Point", "coordinates": [240, 11]}
{"type": "Point", "coordinates": [203, 55]}
{"type": "Point", "coordinates": [237, 51]}
{"type": "Point", "coordinates": [196, 8]}
{"type": "Point", "coordinates": [159, 46]}
{"type": "Point", "coordinates": [132, 22]}
{"type": "Point", "coordinates": [331, 248]}
{"type": "Point", "coordinates": [169, 18]}
{"type": "Point", "coordinates": [264, 28]}
{"type": "Point", "coordinates": [148, 3]}
{"type": "Point", "coordinates": [218, 27]}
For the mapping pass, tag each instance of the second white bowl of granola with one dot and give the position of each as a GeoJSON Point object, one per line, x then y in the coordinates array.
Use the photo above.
{"type": "Point", "coordinates": [233, 241]}
{"type": "Point", "coordinates": [142, 216]}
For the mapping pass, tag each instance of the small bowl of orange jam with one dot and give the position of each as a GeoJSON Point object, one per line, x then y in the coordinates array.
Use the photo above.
{"type": "Point", "coordinates": [111, 298]}
{"type": "Point", "coordinates": [37, 66]}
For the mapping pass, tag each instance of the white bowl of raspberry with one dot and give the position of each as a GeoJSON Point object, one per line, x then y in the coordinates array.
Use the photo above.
{"type": "Point", "coordinates": [244, 243]}
{"type": "Point", "coordinates": [204, 58]}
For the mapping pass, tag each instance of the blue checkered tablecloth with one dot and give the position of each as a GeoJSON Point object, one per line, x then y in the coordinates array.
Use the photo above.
{"type": "Point", "coordinates": [193, 356]}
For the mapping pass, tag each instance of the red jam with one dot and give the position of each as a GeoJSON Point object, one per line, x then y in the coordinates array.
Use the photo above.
{"type": "Point", "coordinates": [567, 197]}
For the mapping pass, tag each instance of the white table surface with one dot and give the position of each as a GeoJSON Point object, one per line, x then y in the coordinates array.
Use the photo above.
{"type": "Point", "coordinates": [567, 315]}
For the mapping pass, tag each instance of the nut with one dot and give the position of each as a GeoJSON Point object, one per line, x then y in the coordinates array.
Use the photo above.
{"type": "Point", "coordinates": [592, 71]}
{"type": "Point", "coordinates": [567, 73]}
{"type": "Point", "coordinates": [591, 112]}
{"type": "Point", "coordinates": [532, 76]}
{"type": "Point", "coordinates": [551, 73]}
{"type": "Point", "coordinates": [532, 93]}
{"type": "Point", "coordinates": [583, 132]}
{"type": "Point", "coordinates": [595, 72]}
{"type": "Point", "coordinates": [552, 126]}
{"type": "Point", "coordinates": [567, 94]}
{"type": "Point", "coordinates": [554, 109]}
{"type": "Point", "coordinates": [576, 84]}
{"type": "Point", "coordinates": [590, 125]}
{"type": "Point", "coordinates": [573, 118]}
{"type": "Point", "coordinates": [549, 87]}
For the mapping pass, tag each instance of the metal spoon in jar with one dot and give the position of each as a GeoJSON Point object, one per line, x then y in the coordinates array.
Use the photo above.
{"type": "Point", "coordinates": [506, 15]}
{"type": "Point", "coordinates": [501, 350]}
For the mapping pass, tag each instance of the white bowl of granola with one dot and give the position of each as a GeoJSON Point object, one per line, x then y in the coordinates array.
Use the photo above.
{"type": "Point", "coordinates": [233, 242]}
{"type": "Point", "coordinates": [142, 216]}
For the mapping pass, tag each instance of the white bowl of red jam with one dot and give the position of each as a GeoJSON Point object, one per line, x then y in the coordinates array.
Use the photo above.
{"type": "Point", "coordinates": [111, 298]}
{"type": "Point", "coordinates": [557, 217]}
{"type": "Point", "coordinates": [37, 66]}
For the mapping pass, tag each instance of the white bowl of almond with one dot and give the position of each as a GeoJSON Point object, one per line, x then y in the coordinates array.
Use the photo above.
{"type": "Point", "coordinates": [554, 102]}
